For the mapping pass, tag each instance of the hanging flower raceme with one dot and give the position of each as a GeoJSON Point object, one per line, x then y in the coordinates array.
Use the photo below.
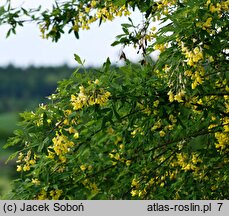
{"type": "Point", "coordinates": [90, 97]}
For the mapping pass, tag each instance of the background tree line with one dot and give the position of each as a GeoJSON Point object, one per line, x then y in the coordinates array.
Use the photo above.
{"type": "Point", "coordinates": [24, 88]}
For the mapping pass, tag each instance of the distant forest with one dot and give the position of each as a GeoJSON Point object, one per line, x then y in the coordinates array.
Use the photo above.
{"type": "Point", "coordinates": [23, 88]}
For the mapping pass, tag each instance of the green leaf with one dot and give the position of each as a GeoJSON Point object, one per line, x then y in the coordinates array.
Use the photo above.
{"type": "Point", "coordinates": [76, 34]}
{"type": "Point", "coordinates": [116, 113]}
{"type": "Point", "coordinates": [126, 31]}
{"type": "Point", "coordinates": [107, 65]}
{"type": "Point", "coordinates": [12, 141]}
{"type": "Point", "coordinates": [115, 43]}
{"type": "Point", "coordinates": [8, 33]}
{"type": "Point", "coordinates": [119, 2]}
{"type": "Point", "coordinates": [41, 146]}
{"type": "Point", "coordinates": [78, 59]}
{"type": "Point", "coordinates": [126, 25]}
{"type": "Point", "coordinates": [11, 157]}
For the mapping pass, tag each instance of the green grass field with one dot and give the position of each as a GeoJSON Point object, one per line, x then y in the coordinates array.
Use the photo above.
{"type": "Point", "coordinates": [8, 123]}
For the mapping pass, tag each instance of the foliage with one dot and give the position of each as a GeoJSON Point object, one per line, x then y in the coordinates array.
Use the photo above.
{"type": "Point", "coordinates": [146, 131]}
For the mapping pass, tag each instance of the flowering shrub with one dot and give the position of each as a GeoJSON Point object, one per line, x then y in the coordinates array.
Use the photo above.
{"type": "Point", "coordinates": [145, 131]}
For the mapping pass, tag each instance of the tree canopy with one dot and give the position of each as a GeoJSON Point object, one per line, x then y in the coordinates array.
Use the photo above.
{"type": "Point", "coordinates": [142, 131]}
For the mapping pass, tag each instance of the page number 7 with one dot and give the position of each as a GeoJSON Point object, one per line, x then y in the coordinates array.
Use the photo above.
{"type": "Point", "coordinates": [220, 205]}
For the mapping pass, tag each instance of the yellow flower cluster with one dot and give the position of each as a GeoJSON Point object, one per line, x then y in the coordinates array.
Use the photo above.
{"type": "Point", "coordinates": [187, 163]}
{"type": "Point", "coordinates": [35, 181]}
{"type": "Point", "coordinates": [219, 7]}
{"type": "Point", "coordinates": [145, 110]}
{"type": "Point", "coordinates": [160, 47]}
{"type": "Point", "coordinates": [61, 146]}
{"type": "Point", "coordinates": [53, 194]}
{"type": "Point", "coordinates": [164, 128]}
{"type": "Point", "coordinates": [73, 131]}
{"type": "Point", "coordinates": [136, 131]}
{"type": "Point", "coordinates": [206, 25]}
{"type": "Point", "coordinates": [177, 97]}
{"type": "Point", "coordinates": [38, 119]}
{"type": "Point", "coordinates": [26, 161]}
{"type": "Point", "coordinates": [164, 6]}
{"type": "Point", "coordinates": [110, 11]}
{"type": "Point", "coordinates": [91, 14]}
{"type": "Point", "coordinates": [223, 137]}
{"type": "Point", "coordinates": [135, 185]}
{"type": "Point", "coordinates": [197, 77]}
{"type": "Point", "coordinates": [194, 56]}
{"type": "Point", "coordinates": [89, 98]}
{"type": "Point", "coordinates": [117, 155]}
{"type": "Point", "coordinates": [85, 167]}
{"type": "Point", "coordinates": [42, 195]}
{"type": "Point", "coordinates": [156, 125]}
{"type": "Point", "coordinates": [91, 186]}
{"type": "Point", "coordinates": [151, 184]}
{"type": "Point", "coordinates": [150, 35]}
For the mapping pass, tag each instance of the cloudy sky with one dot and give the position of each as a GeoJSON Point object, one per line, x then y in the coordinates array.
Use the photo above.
{"type": "Point", "coordinates": [28, 48]}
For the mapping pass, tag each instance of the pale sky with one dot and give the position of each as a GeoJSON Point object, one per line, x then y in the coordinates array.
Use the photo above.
{"type": "Point", "coordinates": [28, 48]}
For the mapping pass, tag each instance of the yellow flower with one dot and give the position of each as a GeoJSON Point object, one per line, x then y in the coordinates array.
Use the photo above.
{"type": "Point", "coordinates": [107, 94]}
{"type": "Point", "coordinates": [42, 195]}
{"type": "Point", "coordinates": [96, 81]}
{"type": "Point", "coordinates": [134, 192]}
{"type": "Point", "coordinates": [82, 89]}
{"type": "Point", "coordinates": [187, 167]}
{"type": "Point", "coordinates": [20, 157]}
{"type": "Point", "coordinates": [121, 146]}
{"type": "Point", "coordinates": [55, 194]}
{"type": "Point", "coordinates": [162, 133]}
{"type": "Point", "coordinates": [32, 162]}
{"type": "Point", "coordinates": [19, 168]}
{"type": "Point", "coordinates": [87, 9]}
{"type": "Point", "coordinates": [162, 184]}
{"type": "Point", "coordinates": [71, 130]}
{"type": "Point", "coordinates": [194, 84]}
{"type": "Point", "coordinates": [172, 176]}
{"type": "Point", "coordinates": [171, 96]}
{"type": "Point", "coordinates": [114, 163]}
{"type": "Point", "coordinates": [26, 167]}
{"type": "Point", "coordinates": [76, 135]}
{"type": "Point", "coordinates": [199, 80]}
{"type": "Point", "coordinates": [93, 3]}
{"type": "Point", "coordinates": [111, 155]}
{"type": "Point", "coordinates": [153, 28]}
{"type": "Point", "coordinates": [51, 155]}
{"type": "Point", "coordinates": [62, 158]}
{"type": "Point", "coordinates": [178, 97]}
{"type": "Point", "coordinates": [133, 133]}
{"type": "Point", "coordinates": [211, 59]}
{"type": "Point", "coordinates": [196, 50]}
{"type": "Point", "coordinates": [207, 24]}
{"type": "Point", "coordinates": [188, 73]}
{"type": "Point", "coordinates": [156, 103]}
{"type": "Point", "coordinates": [117, 156]}
{"type": "Point", "coordinates": [134, 182]}
{"type": "Point", "coordinates": [128, 162]}
{"type": "Point", "coordinates": [35, 181]}
{"type": "Point", "coordinates": [190, 62]}
{"type": "Point", "coordinates": [83, 167]}
{"type": "Point", "coordinates": [151, 181]}
{"type": "Point", "coordinates": [49, 121]}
